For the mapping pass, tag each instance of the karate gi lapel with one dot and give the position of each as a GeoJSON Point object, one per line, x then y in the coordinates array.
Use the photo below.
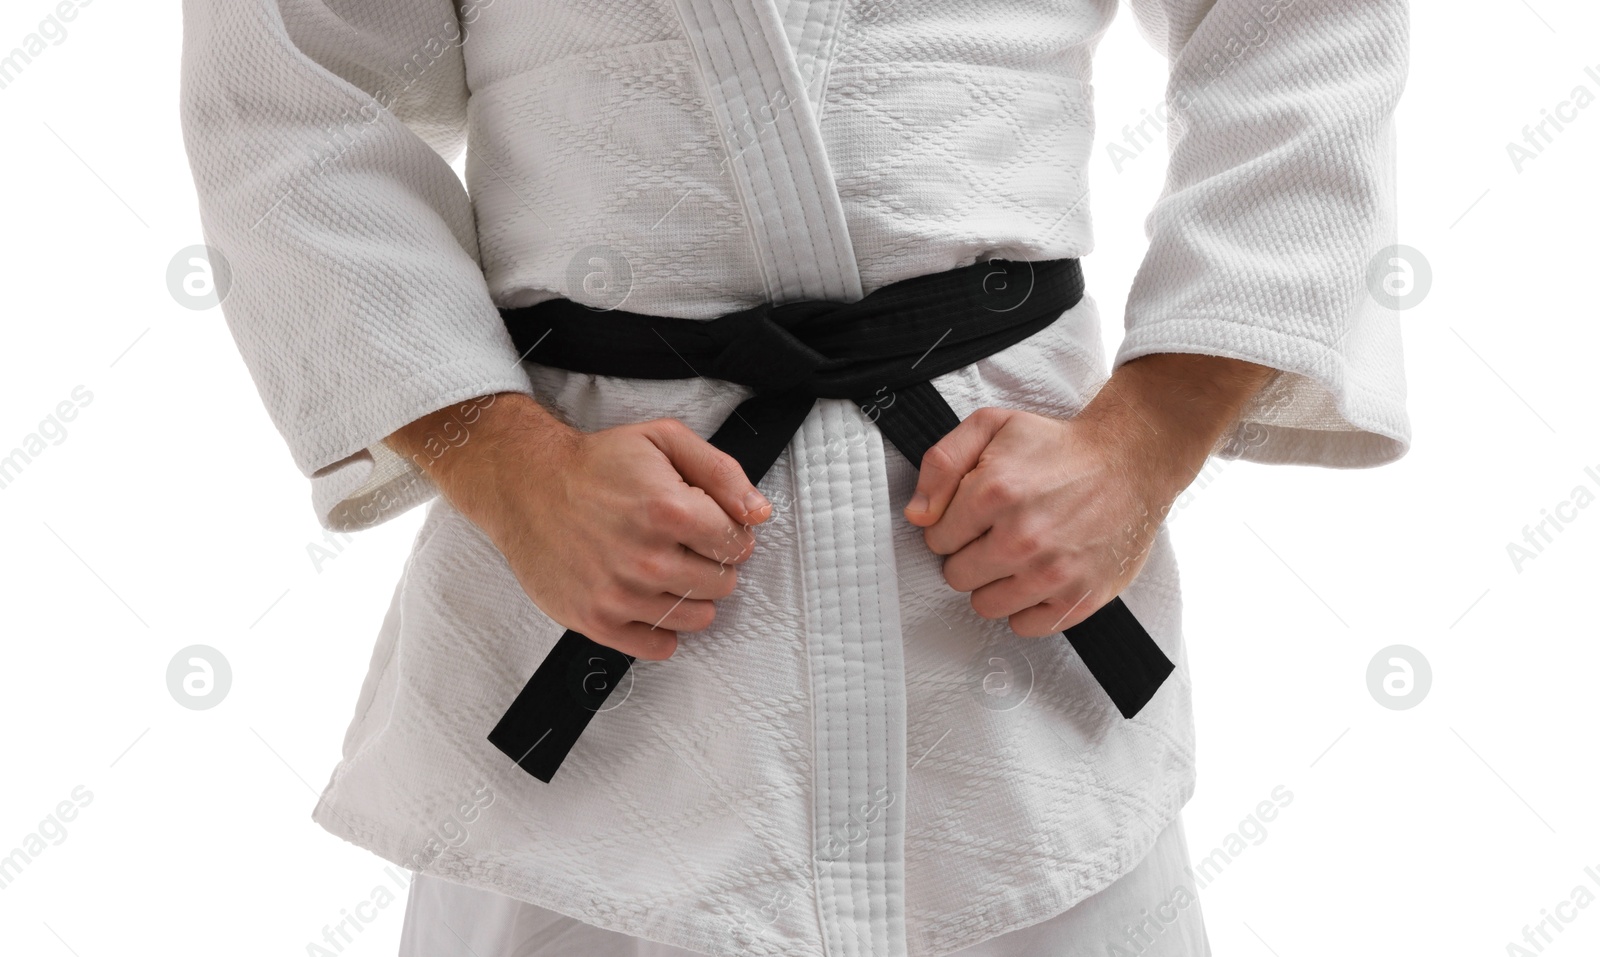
{"type": "Point", "coordinates": [767, 110]}
{"type": "Point", "coordinates": [775, 153]}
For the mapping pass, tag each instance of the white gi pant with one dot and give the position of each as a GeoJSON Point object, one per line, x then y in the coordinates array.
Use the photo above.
{"type": "Point", "coordinates": [1143, 913]}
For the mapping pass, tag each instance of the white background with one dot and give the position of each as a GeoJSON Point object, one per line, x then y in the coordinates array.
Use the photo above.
{"type": "Point", "coordinates": [171, 515]}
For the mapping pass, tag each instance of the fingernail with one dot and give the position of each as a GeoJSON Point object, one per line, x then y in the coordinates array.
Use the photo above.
{"type": "Point", "coordinates": [919, 502]}
{"type": "Point", "coordinates": [754, 502]}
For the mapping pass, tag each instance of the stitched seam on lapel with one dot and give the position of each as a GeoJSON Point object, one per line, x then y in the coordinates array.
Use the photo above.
{"type": "Point", "coordinates": [832, 14]}
{"type": "Point", "coordinates": [777, 211]}
{"type": "Point", "coordinates": [825, 191]}
{"type": "Point", "coordinates": [714, 102]}
{"type": "Point", "coordinates": [789, 193]}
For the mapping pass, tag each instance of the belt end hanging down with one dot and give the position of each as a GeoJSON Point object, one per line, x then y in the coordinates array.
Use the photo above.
{"type": "Point", "coordinates": [552, 709]}
{"type": "Point", "coordinates": [1116, 649]}
{"type": "Point", "coordinates": [1121, 656]}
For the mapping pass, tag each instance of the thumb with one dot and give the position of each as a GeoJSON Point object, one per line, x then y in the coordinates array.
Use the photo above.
{"type": "Point", "coordinates": [949, 460]}
{"type": "Point", "coordinates": [712, 470]}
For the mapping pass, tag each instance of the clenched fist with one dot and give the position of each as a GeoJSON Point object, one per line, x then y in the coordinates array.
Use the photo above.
{"type": "Point", "coordinates": [626, 535]}
{"type": "Point", "coordinates": [1044, 520]}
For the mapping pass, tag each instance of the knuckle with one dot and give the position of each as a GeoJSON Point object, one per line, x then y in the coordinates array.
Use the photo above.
{"type": "Point", "coordinates": [655, 645]}
{"type": "Point", "coordinates": [1028, 543]}
{"type": "Point", "coordinates": [601, 627]}
{"type": "Point", "coordinates": [726, 582]}
{"type": "Point", "coordinates": [740, 550]}
{"type": "Point", "coordinates": [661, 431]}
{"type": "Point", "coordinates": [609, 605]}
{"type": "Point", "coordinates": [1056, 576]}
{"type": "Point", "coordinates": [938, 459]}
{"type": "Point", "coordinates": [669, 426]}
{"type": "Point", "coordinates": [726, 554]}
{"type": "Point", "coordinates": [637, 430]}
{"type": "Point", "coordinates": [1021, 628]}
{"type": "Point", "coordinates": [666, 512]}
{"type": "Point", "coordinates": [986, 607]}
{"type": "Point", "coordinates": [651, 567]}
{"type": "Point", "coordinates": [998, 492]}
{"type": "Point", "coordinates": [725, 469]}
{"type": "Point", "coordinates": [1077, 602]}
{"type": "Point", "coordinates": [698, 616]}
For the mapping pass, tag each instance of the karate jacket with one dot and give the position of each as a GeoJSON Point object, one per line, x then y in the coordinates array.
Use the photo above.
{"type": "Point", "coordinates": [850, 760]}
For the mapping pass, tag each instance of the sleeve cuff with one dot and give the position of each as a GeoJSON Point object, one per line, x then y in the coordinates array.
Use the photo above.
{"type": "Point", "coordinates": [372, 484]}
{"type": "Point", "coordinates": [1313, 411]}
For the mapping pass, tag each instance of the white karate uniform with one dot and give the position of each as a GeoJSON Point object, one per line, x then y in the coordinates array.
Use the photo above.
{"type": "Point", "coordinates": [1151, 911]}
{"type": "Point", "coordinates": [849, 749]}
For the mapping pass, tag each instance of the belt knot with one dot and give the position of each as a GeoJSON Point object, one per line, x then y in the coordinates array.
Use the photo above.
{"type": "Point", "coordinates": [760, 352]}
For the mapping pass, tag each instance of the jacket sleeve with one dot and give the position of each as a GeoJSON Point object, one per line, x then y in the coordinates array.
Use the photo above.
{"type": "Point", "coordinates": [1267, 241]}
{"type": "Point", "coordinates": [320, 144]}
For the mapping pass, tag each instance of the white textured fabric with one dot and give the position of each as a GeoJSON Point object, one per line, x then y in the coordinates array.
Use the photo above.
{"type": "Point", "coordinates": [848, 738]}
{"type": "Point", "coordinates": [1151, 911]}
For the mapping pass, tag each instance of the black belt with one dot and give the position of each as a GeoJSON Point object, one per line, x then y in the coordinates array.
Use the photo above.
{"type": "Point", "coordinates": [880, 351]}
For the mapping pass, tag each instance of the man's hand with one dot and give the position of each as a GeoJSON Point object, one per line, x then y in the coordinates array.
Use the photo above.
{"type": "Point", "coordinates": [1045, 520]}
{"type": "Point", "coordinates": [625, 535]}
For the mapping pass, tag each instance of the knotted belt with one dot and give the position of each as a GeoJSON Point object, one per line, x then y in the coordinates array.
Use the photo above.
{"type": "Point", "coordinates": [880, 351]}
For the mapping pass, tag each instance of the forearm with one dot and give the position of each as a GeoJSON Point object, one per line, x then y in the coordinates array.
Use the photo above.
{"type": "Point", "coordinates": [468, 448]}
{"type": "Point", "coordinates": [1171, 408]}
{"type": "Point", "coordinates": [1277, 196]}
